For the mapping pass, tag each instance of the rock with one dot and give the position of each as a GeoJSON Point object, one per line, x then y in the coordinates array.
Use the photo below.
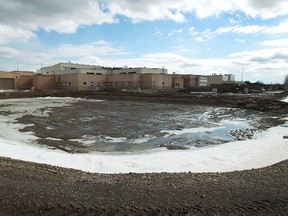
{"type": "Point", "coordinates": [285, 137]}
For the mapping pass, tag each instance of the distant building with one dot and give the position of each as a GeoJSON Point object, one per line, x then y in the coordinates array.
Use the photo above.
{"type": "Point", "coordinates": [190, 81]}
{"type": "Point", "coordinates": [222, 79]}
{"type": "Point", "coordinates": [79, 77]}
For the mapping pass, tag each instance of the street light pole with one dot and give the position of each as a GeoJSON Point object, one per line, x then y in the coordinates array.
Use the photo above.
{"type": "Point", "coordinates": [242, 75]}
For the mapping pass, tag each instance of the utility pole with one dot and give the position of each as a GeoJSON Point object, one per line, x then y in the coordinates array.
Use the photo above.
{"type": "Point", "coordinates": [242, 75]}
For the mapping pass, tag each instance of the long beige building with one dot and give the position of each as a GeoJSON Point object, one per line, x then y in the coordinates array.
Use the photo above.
{"type": "Point", "coordinates": [80, 77]}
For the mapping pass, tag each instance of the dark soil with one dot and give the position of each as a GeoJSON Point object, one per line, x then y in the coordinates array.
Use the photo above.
{"type": "Point", "coordinates": [37, 189]}
{"type": "Point", "coordinates": [34, 189]}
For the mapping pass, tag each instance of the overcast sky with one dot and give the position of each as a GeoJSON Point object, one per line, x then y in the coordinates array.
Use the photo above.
{"type": "Point", "coordinates": [184, 36]}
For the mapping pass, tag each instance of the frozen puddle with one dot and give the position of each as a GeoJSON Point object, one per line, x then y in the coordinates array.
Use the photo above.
{"type": "Point", "coordinates": [269, 147]}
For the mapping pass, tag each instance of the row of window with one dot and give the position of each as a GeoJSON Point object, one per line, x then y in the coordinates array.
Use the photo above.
{"type": "Point", "coordinates": [105, 85]}
{"type": "Point", "coordinates": [134, 72]}
{"type": "Point", "coordinates": [94, 73]}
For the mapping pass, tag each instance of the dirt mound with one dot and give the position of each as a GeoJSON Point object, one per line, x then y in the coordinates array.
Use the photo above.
{"type": "Point", "coordinates": [34, 189]}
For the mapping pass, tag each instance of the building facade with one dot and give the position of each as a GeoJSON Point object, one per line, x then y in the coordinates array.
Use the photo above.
{"type": "Point", "coordinates": [79, 77]}
{"type": "Point", "coordinates": [16, 80]}
{"type": "Point", "coordinates": [222, 79]}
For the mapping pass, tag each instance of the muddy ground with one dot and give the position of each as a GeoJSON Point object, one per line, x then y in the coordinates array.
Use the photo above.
{"type": "Point", "coordinates": [35, 189]}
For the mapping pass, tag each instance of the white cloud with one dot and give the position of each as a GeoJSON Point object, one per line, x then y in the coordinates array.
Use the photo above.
{"type": "Point", "coordinates": [265, 9]}
{"type": "Point", "coordinates": [150, 10]}
{"type": "Point", "coordinates": [281, 28]}
{"type": "Point", "coordinates": [265, 54]}
{"type": "Point", "coordinates": [252, 29]}
{"type": "Point", "coordinates": [205, 36]}
{"type": "Point", "coordinates": [192, 31]}
{"type": "Point", "coordinates": [276, 43]}
{"type": "Point", "coordinates": [175, 31]}
{"type": "Point", "coordinates": [233, 21]}
{"type": "Point", "coordinates": [239, 40]}
{"type": "Point", "coordinates": [263, 63]}
{"type": "Point", "coordinates": [66, 16]}
{"type": "Point", "coordinates": [61, 16]}
{"type": "Point", "coordinates": [8, 34]}
{"type": "Point", "coordinates": [31, 60]}
{"type": "Point", "coordinates": [98, 48]}
{"type": "Point", "coordinates": [181, 48]}
{"type": "Point", "coordinates": [176, 10]}
{"type": "Point", "coordinates": [9, 52]}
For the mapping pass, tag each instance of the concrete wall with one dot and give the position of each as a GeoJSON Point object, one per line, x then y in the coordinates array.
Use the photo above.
{"type": "Point", "coordinates": [20, 79]}
{"type": "Point", "coordinates": [41, 82]}
{"type": "Point", "coordinates": [67, 82]}
{"type": "Point", "coordinates": [90, 82]}
{"type": "Point", "coordinates": [220, 79]}
{"type": "Point", "coordinates": [190, 81]}
{"type": "Point", "coordinates": [124, 81]}
{"type": "Point", "coordinates": [177, 81]}
{"type": "Point", "coordinates": [216, 79]}
{"type": "Point", "coordinates": [23, 82]}
{"type": "Point", "coordinates": [6, 75]}
{"type": "Point", "coordinates": [23, 79]}
{"type": "Point", "coordinates": [156, 81]}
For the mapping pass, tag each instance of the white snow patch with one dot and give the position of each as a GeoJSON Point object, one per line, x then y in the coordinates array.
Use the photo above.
{"type": "Point", "coordinates": [268, 149]}
{"type": "Point", "coordinates": [285, 100]}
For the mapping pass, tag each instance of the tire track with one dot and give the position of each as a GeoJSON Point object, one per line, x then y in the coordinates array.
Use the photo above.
{"type": "Point", "coordinates": [263, 207]}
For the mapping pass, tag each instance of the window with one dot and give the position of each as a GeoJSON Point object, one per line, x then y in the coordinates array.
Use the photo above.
{"type": "Point", "coordinates": [163, 83]}
{"type": "Point", "coordinates": [84, 83]}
